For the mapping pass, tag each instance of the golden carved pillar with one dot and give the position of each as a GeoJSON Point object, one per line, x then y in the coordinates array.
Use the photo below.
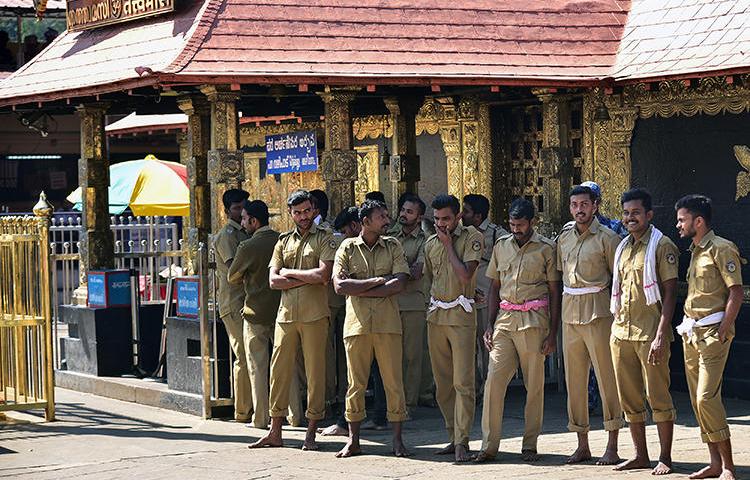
{"type": "Point", "coordinates": [404, 161]}
{"type": "Point", "coordinates": [182, 143]}
{"type": "Point", "coordinates": [97, 242]}
{"type": "Point", "coordinates": [612, 167]}
{"type": "Point", "coordinates": [225, 161]}
{"type": "Point", "coordinates": [198, 224]}
{"type": "Point", "coordinates": [339, 160]}
{"type": "Point", "coordinates": [450, 134]}
{"type": "Point", "coordinates": [556, 162]}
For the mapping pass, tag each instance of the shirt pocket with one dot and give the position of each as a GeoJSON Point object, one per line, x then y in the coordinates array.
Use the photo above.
{"type": "Point", "coordinates": [706, 276]}
{"type": "Point", "coordinates": [532, 271]}
{"type": "Point", "coordinates": [504, 272]}
{"type": "Point", "coordinates": [309, 257]}
{"type": "Point", "coordinates": [436, 258]}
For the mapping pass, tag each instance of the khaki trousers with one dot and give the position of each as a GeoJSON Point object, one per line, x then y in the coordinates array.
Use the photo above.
{"type": "Point", "coordinates": [509, 351]}
{"type": "Point", "coordinates": [584, 345]}
{"type": "Point", "coordinates": [427, 382]}
{"type": "Point", "coordinates": [336, 382]}
{"type": "Point", "coordinates": [452, 351]}
{"type": "Point", "coordinates": [288, 337]}
{"type": "Point", "coordinates": [413, 326]}
{"type": "Point", "coordinates": [705, 358]}
{"type": "Point", "coordinates": [635, 376]}
{"type": "Point", "coordinates": [386, 349]}
{"type": "Point", "coordinates": [483, 356]}
{"type": "Point", "coordinates": [243, 398]}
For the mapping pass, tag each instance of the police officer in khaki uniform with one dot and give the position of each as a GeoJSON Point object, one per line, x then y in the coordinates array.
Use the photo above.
{"type": "Point", "coordinates": [585, 252]}
{"type": "Point", "coordinates": [451, 259]}
{"type": "Point", "coordinates": [524, 275]}
{"type": "Point", "coordinates": [300, 268]}
{"type": "Point", "coordinates": [643, 300]}
{"type": "Point", "coordinates": [475, 213]}
{"type": "Point", "coordinates": [713, 302]}
{"type": "Point", "coordinates": [371, 270]}
{"type": "Point", "coordinates": [250, 267]}
{"type": "Point", "coordinates": [412, 304]}
{"type": "Point", "coordinates": [232, 297]}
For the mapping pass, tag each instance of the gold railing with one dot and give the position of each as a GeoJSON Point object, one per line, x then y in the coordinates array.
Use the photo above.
{"type": "Point", "coordinates": [26, 373]}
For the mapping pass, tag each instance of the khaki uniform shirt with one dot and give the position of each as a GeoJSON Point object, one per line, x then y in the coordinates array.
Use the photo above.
{"type": "Point", "coordinates": [492, 234]}
{"type": "Point", "coordinates": [334, 300]}
{"type": "Point", "coordinates": [306, 303]}
{"type": "Point", "coordinates": [226, 242]}
{"type": "Point", "coordinates": [715, 265]}
{"type": "Point", "coordinates": [357, 261]}
{"type": "Point", "coordinates": [585, 260]}
{"type": "Point", "coordinates": [444, 283]}
{"type": "Point", "coordinates": [637, 321]}
{"type": "Point", "coordinates": [250, 267]}
{"type": "Point", "coordinates": [523, 274]}
{"type": "Point", "coordinates": [413, 297]}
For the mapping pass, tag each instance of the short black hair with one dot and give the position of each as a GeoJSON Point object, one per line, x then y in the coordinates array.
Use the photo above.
{"type": "Point", "coordinates": [521, 208]}
{"type": "Point", "coordinates": [478, 203]}
{"type": "Point", "coordinates": [637, 194]}
{"type": "Point", "coordinates": [410, 197]}
{"type": "Point", "coordinates": [345, 217]}
{"type": "Point", "coordinates": [376, 195]}
{"type": "Point", "coordinates": [300, 196]}
{"type": "Point", "coordinates": [321, 199]}
{"type": "Point", "coordinates": [368, 207]}
{"type": "Point", "coordinates": [258, 210]}
{"type": "Point", "coordinates": [446, 201]}
{"type": "Point", "coordinates": [581, 190]}
{"type": "Point", "coordinates": [698, 206]}
{"type": "Point", "coordinates": [234, 195]}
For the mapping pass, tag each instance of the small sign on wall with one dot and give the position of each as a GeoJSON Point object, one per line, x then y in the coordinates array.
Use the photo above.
{"type": "Point", "coordinates": [291, 152]}
{"type": "Point", "coordinates": [108, 288]}
{"type": "Point", "coordinates": [188, 296]}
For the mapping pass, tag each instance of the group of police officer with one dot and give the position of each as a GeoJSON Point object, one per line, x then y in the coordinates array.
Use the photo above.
{"type": "Point", "coordinates": [488, 302]}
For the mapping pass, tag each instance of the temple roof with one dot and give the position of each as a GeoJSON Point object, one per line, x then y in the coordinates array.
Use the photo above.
{"type": "Point", "coordinates": [394, 42]}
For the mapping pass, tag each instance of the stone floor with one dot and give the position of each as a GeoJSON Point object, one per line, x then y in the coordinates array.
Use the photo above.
{"type": "Point", "coordinates": [102, 438]}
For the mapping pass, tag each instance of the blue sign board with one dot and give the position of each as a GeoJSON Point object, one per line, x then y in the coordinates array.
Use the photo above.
{"type": "Point", "coordinates": [109, 288]}
{"type": "Point", "coordinates": [291, 152]}
{"type": "Point", "coordinates": [188, 297]}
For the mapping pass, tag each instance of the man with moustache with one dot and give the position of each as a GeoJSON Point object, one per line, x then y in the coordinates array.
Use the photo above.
{"type": "Point", "coordinates": [585, 254]}
{"type": "Point", "coordinates": [713, 301]}
{"type": "Point", "coordinates": [250, 267]}
{"type": "Point", "coordinates": [644, 292]}
{"type": "Point", "coordinates": [371, 270]}
{"type": "Point", "coordinates": [300, 267]}
{"type": "Point", "coordinates": [451, 259]}
{"type": "Point", "coordinates": [524, 303]}
{"type": "Point", "coordinates": [412, 305]}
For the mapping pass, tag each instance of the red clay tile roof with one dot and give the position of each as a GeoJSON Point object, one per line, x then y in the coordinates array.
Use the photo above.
{"type": "Point", "coordinates": [682, 37]}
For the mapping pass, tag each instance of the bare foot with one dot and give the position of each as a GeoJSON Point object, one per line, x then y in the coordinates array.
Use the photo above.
{"type": "Point", "coordinates": [530, 455]}
{"type": "Point", "coordinates": [333, 431]}
{"type": "Point", "coordinates": [727, 475]}
{"type": "Point", "coordinates": [711, 471]}
{"type": "Point", "coordinates": [351, 449]}
{"type": "Point", "coordinates": [662, 468]}
{"type": "Point", "coordinates": [462, 453]}
{"type": "Point", "coordinates": [580, 455]}
{"type": "Point", "coordinates": [309, 443]}
{"type": "Point", "coordinates": [483, 457]}
{"type": "Point", "coordinates": [610, 457]}
{"type": "Point", "coordinates": [447, 450]}
{"type": "Point", "coordinates": [273, 439]}
{"type": "Point", "coordinates": [399, 449]}
{"type": "Point", "coordinates": [633, 464]}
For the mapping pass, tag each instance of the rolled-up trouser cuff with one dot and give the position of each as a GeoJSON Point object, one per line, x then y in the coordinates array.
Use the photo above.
{"type": "Point", "coordinates": [578, 428]}
{"type": "Point", "coordinates": [715, 437]}
{"type": "Point", "coordinates": [397, 417]}
{"type": "Point", "coordinates": [355, 416]}
{"type": "Point", "coordinates": [315, 416]}
{"type": "Point", "coordinates": [665, 416]}
{"type": "Point", "coordinates": [279, 413]}
{"type": "Point", "coordinates": [636, 417]}
{"type": "Point", "coordinates": [611, 425]}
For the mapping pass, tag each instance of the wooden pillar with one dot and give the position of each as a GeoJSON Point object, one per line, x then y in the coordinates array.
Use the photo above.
{"type": "Point", "coordinates": [225, 161]}
{"type": "Point", "coordinates": [198, 224]}
{"type": "Point", "coordinates": [339, 160]}
{"type": "Point", "coordinates": [614, 172]}
{"type": "Point", "coordinates": [96, 241]}
{"type": "Point", "coordinates": [404, 161]}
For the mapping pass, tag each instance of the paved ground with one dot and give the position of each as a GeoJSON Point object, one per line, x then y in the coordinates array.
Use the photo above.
{"type": "Point", "coordinates": [107, 439]}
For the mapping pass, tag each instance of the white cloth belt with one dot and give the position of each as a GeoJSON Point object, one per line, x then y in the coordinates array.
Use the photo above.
{"type": "Point", "coordinates": [464, 302]}
{"type": "Point", "coordinates": [687, 325]}
{"type": "Point", "coordinates": [581, 290]}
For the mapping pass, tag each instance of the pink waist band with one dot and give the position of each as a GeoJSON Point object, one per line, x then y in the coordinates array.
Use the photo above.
{"type": "Point", "coordinates": [525, 306]}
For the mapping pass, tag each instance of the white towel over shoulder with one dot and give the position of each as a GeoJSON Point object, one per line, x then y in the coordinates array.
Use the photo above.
{"type": "Point", "coordinates": [650, 280]}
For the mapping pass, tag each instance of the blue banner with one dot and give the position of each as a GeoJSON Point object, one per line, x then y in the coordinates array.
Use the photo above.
{"type": "Point", "coordinates": [291, 152]}
{"type": "Point", "coordinates": [188, 297]}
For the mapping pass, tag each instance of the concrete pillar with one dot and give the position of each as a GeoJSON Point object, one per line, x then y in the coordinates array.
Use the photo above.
{"type": "Point", "coordinates": [97, 242]}
{"type": "Point", "coordinates": [339, 160]}
{"type": "Point", "coordinates": [404, 161]}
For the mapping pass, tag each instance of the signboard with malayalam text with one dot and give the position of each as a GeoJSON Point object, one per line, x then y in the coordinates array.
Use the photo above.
{"type": "Point", "coordinates": [292, 152]}
{"type": "Point", "coordinates": [88, 14]}
{"type": "Point", "coordinates": [188, 296]}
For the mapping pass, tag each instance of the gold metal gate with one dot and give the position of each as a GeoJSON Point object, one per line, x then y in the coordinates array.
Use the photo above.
{"type": "Point", "coordinates": [26, 373]}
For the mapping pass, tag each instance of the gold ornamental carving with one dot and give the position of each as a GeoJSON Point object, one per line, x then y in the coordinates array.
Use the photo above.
{"type": "Point", "coordinates": [368, 172]}
{"type": "Point", "coordinates": [742, 153]}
